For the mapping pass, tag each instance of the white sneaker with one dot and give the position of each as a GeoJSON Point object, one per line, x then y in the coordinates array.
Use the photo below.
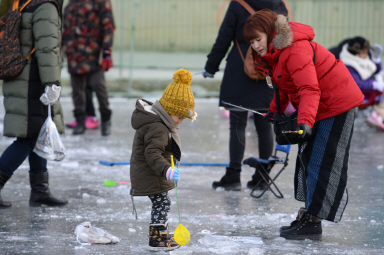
{"type": "Point", "coordinates": [375, 120]}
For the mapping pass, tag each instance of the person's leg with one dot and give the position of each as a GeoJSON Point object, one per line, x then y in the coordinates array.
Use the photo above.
{"type": "Point", "coordinates": [376, 118]}
{"type": "Point", "coordinates": [325, 160]}
{"type": "Point", "coordinates": [231, 179]}
{"type": "Point", "coordinates": [78, 83]}
{"type": "Point", "coordinates": [39, 181]}
{"type": "Point", "coordinates": [97, 81]}
{"type": "Point", "coordinates": [89, 106]}
{"type": "Point", "coordinates": [10, 160]}
{"type": "Point", "coordinates": [265, 140]}
{"type": "Point", "coordinates": [91, 122]}
{"type": "Point", "coordinates": [159, 236]}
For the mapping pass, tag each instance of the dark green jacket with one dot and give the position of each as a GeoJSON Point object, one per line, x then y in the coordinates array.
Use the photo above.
{"type": "Point", "coordinates": [24, 113]}
{"type": "Point", "coordinates": [151, 152]}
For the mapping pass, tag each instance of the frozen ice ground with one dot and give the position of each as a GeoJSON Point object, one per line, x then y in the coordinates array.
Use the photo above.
{"type": "Point", "coordinates": [219, 222]}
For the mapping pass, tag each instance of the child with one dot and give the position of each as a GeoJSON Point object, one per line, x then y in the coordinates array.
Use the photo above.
{"type": "Point", "coordinates": [156, 139]}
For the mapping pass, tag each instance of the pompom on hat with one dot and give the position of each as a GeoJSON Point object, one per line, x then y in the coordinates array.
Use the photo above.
{"type": "Point", "coordinates": [178, 99]}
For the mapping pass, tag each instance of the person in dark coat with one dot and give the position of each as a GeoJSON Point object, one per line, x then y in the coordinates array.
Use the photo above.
{"type": "Point", "coordinates": [238, 89]}
{"type": "Point", "coordinates": [87, 41]}
{"type": "Point", "coordinates": [156, 141]}
{"type": "Point", "coordinates": [326, 96]}
{"type": "Point", "coordinates": [27, 95]}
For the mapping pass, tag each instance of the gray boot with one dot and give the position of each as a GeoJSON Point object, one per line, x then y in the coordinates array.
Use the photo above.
{"type": "Point", "coordinates": [106, 128]}
{"type": "Point", "coordinates": [40, 193]}
{"type": "Point", "coordinates": [3, 179]}
{"type": "Point", "coordinates": [80, 125]}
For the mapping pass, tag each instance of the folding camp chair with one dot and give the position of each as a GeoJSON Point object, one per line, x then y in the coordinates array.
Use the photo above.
{"type": "Point", "coordinates": [265, 166]}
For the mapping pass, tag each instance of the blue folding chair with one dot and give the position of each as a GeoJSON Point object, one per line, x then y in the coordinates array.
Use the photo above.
{"type": "Point", "coordinates": [279, 157]}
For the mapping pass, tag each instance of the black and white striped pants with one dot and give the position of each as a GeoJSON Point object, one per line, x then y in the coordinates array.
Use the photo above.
{"type": "Point", "coordinates": [322, 166]}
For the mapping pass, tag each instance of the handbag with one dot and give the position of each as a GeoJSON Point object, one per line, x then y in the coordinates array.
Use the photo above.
{"type": "Point", "coordinates": [284, 124]}
{"type": "Point", "coordinates": [248, 60]}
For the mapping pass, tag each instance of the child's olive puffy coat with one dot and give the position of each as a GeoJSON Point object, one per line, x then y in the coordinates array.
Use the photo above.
{"type": "Point", "coordinates": [151, 152]}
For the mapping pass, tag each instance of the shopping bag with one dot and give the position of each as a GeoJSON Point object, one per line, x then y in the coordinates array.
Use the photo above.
{"type": "Point", "coordinates": [88, 234]}
{"type": "Point", "coordinates": [49, 144]}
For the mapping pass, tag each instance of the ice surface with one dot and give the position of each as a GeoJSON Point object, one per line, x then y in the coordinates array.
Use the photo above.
{"type": "Point", "coordinates": [220, 222]}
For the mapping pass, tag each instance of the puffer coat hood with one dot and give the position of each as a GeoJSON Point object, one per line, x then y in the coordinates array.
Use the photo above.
{"type": "Point", "coordinates": [308, 75]}
{"type": "Point", "coordinates": [151, 152]}
{"type": "Point", "coordinates": [143, 114]}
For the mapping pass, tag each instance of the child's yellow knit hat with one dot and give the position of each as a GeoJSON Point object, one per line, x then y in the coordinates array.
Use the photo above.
{"type": "Point", "coordinates": [178, 98]}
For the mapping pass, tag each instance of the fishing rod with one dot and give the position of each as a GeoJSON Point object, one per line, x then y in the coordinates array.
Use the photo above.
{"type": "Point", "coordinates": [243, 108]}
{"type": "Point", "coordinates": [113, 163]}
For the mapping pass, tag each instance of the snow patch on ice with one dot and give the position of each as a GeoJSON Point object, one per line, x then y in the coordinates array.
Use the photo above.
{"type": "Point", "coordinates": [218, 244]}
{"type": "Point", "coordinates": [101, 201]}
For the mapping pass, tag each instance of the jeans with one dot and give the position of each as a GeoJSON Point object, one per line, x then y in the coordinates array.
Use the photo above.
{"type": "Point", "coordinates": [17, 152]}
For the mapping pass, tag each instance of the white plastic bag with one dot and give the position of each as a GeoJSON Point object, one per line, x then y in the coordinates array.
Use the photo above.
{"type": "Point", "coordinates": [88, 234]}
{"type": "Point", "coordinates": [48, 144]}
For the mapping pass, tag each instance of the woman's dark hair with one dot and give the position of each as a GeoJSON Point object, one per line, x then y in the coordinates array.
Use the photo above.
{"type": "Point", "coordinates": [261, 21]}
{"type": "Point", "coordinates": [358, 44]}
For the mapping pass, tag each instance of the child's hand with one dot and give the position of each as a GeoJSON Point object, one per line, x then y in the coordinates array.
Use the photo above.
{"type": "Point", "coordinates": [173, 174]}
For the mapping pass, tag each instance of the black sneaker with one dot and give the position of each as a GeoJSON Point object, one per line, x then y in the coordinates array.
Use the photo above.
{"type": "Point", "coordinates": [305, 228]}
{"type": "Point", "coordinates": [230, 181]}
{"type": "Point", "coordinates": [300, 213]}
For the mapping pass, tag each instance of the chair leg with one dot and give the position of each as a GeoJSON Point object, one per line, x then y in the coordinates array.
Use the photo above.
{"type": "Point", "coordinates": [270, 182]}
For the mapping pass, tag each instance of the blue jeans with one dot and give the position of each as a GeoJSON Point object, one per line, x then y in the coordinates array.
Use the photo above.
{"type": "Point", "coordinates": [17, 152]}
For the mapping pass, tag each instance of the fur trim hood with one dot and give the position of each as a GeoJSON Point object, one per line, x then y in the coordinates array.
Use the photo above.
{"type": "Point", "coordinates": [287, 33]}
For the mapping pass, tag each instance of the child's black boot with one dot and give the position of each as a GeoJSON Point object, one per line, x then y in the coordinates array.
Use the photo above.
{"type": "Point", "coordinates": [160, 239]}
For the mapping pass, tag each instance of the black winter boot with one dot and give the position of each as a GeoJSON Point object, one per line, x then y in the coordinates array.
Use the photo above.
{"type": "Point", "coordinates": [308, 227]}
{"type": "Point", "coordinates": [257, 181]}
{"type": "Point", "coordinates": [80, 126]}
{"type": "Point", "coordinates": [106, 128]}
{"type": "Point", "coordinates": [300, 213]}
{"type": "Point", "coordinates": [160, 239]}
{"type": "Point", "coordinates": [3, 179]}
{"type": "Point", "coordinates": [230, 181]}
{"type": "Point", "coordinates": [40, 193]}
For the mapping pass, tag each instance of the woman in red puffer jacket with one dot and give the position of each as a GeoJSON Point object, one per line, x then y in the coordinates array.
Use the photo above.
{"type": "Point", "coordinates": [325, 95]}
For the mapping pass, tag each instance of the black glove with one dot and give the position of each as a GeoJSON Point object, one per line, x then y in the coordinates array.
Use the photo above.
{"type": "Point", "coordinates": [307, 131]}
{"type": "Point", "coordinates": [206, 74]}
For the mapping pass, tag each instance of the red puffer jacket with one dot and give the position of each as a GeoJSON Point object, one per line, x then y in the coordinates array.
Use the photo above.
{"type": "Point", "coordinates": [319, 91]}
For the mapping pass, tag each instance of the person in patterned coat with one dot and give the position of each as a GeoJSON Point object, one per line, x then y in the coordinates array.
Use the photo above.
{"type": "Point", "coordinates": [87, 42]}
